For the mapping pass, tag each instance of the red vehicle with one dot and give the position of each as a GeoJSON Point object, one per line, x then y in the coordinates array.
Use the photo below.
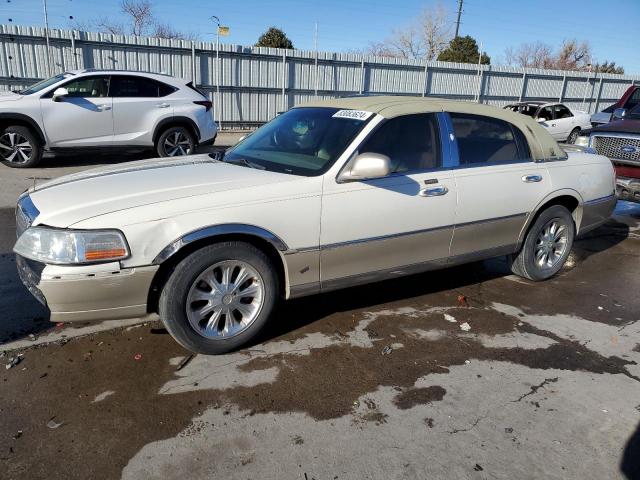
{"type": "Point", "coordinates": [629, 99]}
{"type": "Point", "coordinates": [620, 141]}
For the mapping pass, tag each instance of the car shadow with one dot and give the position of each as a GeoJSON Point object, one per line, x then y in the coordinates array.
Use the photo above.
{"type": "Point", "coordinates": [603, 238]}
{"type": "Point", "coordinates": [630, 462]}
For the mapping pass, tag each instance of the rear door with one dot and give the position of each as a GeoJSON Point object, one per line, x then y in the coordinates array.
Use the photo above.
{"type": "Point", "coordinates": [498, 185]}
{"type": "Point", "coordinates": [139, 104]}
{"type": "Point", "coordinates": [83, 118]}
{"type": "Point", "coordinates": [564, 119]}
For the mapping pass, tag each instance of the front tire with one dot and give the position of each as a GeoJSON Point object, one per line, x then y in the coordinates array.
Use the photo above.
{"type": "Point", "coordinates": [176, 141]}
{"type": "Point", "coordinates": [19, 147]}
{"type": "Point", "coordinates": [219, 297]}
{"type": "Point", "coordinates": [546, 246]}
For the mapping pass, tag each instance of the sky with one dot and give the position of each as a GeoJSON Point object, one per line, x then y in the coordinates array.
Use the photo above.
{"type": "Point", "coordinates": [349, 25]}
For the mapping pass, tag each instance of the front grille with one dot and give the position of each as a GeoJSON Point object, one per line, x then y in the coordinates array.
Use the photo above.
{"type": "Point", "coordinates": [619, 148]}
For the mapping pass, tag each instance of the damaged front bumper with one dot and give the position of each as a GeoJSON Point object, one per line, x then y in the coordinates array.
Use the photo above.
{"type": "Point", "coordinates": [628, 189]}
{"type": "Point", "coordinates": [91, 292]}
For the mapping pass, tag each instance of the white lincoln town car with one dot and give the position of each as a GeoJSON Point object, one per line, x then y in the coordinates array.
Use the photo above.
{"type": "Point", "coordinates": [328, 195]}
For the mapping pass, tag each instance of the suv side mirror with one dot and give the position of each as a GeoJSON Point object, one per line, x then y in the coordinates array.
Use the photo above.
{"type": "Point", "coordinates": [619, 113]}
{"type": "Point", "coordinates": [366, 166]}
{"type": "Point", "coordinates": [59, 94]}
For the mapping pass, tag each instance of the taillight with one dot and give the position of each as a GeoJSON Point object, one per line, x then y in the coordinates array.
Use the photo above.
{"type": "Point", "coordinates": [205, 103]}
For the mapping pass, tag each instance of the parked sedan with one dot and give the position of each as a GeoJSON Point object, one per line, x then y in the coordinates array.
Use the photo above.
{"type": "Point", "coordinates": [325, 196]}
{"type": "Point", "coordinates": [563, 123]}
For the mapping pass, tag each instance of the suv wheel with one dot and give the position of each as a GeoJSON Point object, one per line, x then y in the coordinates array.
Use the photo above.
{"type": "Point", "coordinates": [19, 147]}
{"type": "Point", "coordinates": [546, 246]}
{"type": "Point", "coordinates": [219, 297]}
{"type": "Point", "coordinates": [176, 141]}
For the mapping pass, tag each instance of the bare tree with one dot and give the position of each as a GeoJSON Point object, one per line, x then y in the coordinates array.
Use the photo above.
{"type": "Point", "coordinates": [140, 20]}
{"type": "Point", "coordinates": [572, 55]}
{"type": "Point", "coordinates": [140, 13]}
{"type": "Point", "coordinates": [424, 38]}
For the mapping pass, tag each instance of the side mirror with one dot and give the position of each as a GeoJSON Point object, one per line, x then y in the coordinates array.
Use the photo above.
{"type": "Point", "coordinates": [59, 94]}
{"type": "Point", "coordinates": [541, 120]}
{"type": "Point", "coordinates": [366, 166]}
{"type": "Point", "coordinates": [619, 113]}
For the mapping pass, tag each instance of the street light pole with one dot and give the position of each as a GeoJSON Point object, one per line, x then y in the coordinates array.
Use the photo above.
{"type": "Point", "coordinates": [218, 109]}
{"type": "Point", "coordinates": [46, 36]}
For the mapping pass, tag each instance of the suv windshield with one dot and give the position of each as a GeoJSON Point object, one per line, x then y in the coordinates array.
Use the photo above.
{"type": "Point", "coordinates": [42, 84]}
{"type": "Point", "coordinates": [303, 141]}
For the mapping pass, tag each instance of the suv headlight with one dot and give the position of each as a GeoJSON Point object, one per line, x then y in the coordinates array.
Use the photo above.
{"type": "Point", "coordinates": [582, 141]}
{"type": "Point", "coordinates": [71, 247]}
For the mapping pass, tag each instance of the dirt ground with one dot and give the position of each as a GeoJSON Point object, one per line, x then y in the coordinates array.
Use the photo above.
{"type": "Point", "coordinates": [464, 373]}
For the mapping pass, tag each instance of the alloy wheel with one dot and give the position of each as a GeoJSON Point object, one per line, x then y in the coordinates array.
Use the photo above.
{"type": "Point", "coordinates": [177, 143]}
{"type": "Point", "coordinates": [551, 244]}
{"type": "Point", "coordinates": [225, 299]}
{"type": "Point", "coordinates": [15, 148]}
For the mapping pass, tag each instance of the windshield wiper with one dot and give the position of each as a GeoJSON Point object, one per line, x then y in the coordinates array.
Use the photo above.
{"type": "Point", "coordinates": [247, 163]}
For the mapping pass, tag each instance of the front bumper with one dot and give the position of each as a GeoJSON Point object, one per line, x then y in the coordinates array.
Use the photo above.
{"type": "Point", "coordinates": [85, 293]}
{"type": "Point", "coordinates": [628, 189]}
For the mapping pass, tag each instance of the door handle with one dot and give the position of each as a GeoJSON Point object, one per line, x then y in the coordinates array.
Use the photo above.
{"type": "Point", "coordinates": [103, 107]}
{"type": "Point", "coordinates": [162, 105]}
{"type": "Point", "coordinates": [434, 192]}
{"type": "Point", "coordinates": [532, 178]}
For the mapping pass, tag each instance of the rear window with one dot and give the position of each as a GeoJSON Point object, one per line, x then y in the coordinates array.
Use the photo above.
{"type": "Point", "coordinates": [133, 86]}
{"type": "Point", "coordinates": [485, 140]}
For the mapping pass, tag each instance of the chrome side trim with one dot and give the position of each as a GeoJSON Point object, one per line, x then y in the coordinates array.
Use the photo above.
{"type": "Point", "coordinates": [600, 200]}
{"type": "Point", "coordinates": [330, 246]}
{"type": "Point", "coordinates": [494, 219]}
{"type": "Point", "coordinates": [214, 230]}
{"type": "Point", "coordinates": [381, 275]}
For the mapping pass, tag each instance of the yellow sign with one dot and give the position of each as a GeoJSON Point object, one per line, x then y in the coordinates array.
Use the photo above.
{"type": "Point", "coordinates": [224, 31]}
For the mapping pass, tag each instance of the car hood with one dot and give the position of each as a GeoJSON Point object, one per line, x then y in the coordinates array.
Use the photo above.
{"type": "Point", "coordinates": [73, 198]}
{"type": "Point", "coordinates": [627, 125]}
{"type": "Point", "coordinates": [9, 97]}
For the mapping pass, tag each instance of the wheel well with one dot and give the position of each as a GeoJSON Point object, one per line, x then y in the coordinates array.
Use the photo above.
{"type": "Point", "coordinates": [176, 122]}
{"type": "Point", "coordinates": [167, 267]}
{"type": "Point", "coordinates": [567, 201]}
{"type": "Point", "coordinates": [18, 122]}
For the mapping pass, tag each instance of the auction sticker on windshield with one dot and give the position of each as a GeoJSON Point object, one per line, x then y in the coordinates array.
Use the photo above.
{"type": "Point", "coordinates": [353, 114]}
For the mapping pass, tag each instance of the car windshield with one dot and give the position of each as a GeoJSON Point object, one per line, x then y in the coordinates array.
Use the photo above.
{"type": "Point", "coordinates": [529, 110]}
{"type": "Point", "coordinates": [42, 84]}
{"type": "Point", "coordinates": [303, 141]}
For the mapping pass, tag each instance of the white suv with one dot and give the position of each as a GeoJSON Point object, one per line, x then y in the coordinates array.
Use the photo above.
{"type": "Point", "coordinates": [103, 109]}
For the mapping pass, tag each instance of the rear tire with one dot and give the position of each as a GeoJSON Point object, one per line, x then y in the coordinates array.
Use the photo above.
{"type": "Point", "coordinates": [219, 297]}
{"type": "Point", "coordinates": [175, 142]}
{"type": "Point", "coordinates": [20, 147]}
{"type": "Point", "coordinates": [573, 136]}
{"type": "Point", "coordinates": [546, 246]}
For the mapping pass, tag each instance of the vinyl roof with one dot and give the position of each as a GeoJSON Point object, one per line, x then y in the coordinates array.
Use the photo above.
{"type": "Point", "coordinates": [541, 143]}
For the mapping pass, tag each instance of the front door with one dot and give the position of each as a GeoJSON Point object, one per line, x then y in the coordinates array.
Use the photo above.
{"type": "Point", "coordinates": [377, 229]}
{"type": "Point", "coordinates": [83, 117]}
{"type": "Point", "coordinates": [498, 185]}
{"type": "Point", "coordinates": [547, 120]}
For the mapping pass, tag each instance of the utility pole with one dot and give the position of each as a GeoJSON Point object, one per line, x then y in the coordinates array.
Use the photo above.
{"type": "Point", "coordinates": [218, 107]}
{"type": "Point", "coordinates": [459, 14]}
{"type": "Point", "coordinates": [46, 35]}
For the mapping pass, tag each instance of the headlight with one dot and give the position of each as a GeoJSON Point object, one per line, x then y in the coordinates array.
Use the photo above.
{"type": "Point", "coordinates": [582, 141]}
{"type": "Point", "coordinates": [50, 245]}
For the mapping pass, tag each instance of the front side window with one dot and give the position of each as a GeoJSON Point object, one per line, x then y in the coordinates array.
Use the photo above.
{"type": "Point", "coordinates": [132, 86]}
{"type": "Point", "coordinates": [88, 87]}
{"type": "Point", "coordinates": [410, 141]}
{"type": "Point", "coordinates": [303, 141]}
{"type": "Point", "coordinates": [487, 140]}
{"type": "Point", "coordinates": [633, 100]}
{"type": "Point", "coordinates": [545, 114]}
{"type": "Point", "coordinates": [562, 112]}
